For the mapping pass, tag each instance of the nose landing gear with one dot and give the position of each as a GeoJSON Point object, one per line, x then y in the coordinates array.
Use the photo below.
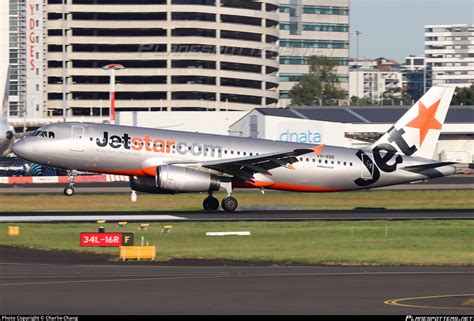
{"type": "Point", "coordinates": [69, 191]}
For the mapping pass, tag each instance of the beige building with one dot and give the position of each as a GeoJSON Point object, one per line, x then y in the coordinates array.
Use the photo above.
{"type": "Point", "coordinates": [312, 27]}
{"type": "Point", "coordinates": [371, 83]}
{"type": "Point", "coordinates": [25, 34]}
{"type": "Point", "coordinates": [177, 54]}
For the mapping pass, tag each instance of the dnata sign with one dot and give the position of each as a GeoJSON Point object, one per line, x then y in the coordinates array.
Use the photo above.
{"type": "Point", "coordinates": [309, 136]}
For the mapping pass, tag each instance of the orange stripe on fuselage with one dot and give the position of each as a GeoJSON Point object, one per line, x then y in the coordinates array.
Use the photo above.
{"type": "Point", "coordinates": [285, 186]}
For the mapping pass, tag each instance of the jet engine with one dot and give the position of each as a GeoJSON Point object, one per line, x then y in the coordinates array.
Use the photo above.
{"type": "Point", "coordinates": [175, 179]}
{"type": "Point", "coordinates": [147, 184]}
{"type": "Point", "coordinates": [10, 135]}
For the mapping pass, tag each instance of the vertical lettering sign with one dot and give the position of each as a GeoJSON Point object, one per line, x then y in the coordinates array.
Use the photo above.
{"type": "Point", "coordinates": [31, 37]}
{"type": "Point", "coordinates": [34, 59]}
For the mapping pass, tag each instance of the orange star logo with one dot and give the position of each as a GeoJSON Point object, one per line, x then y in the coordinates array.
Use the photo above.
{"type": "Point", "coordinates": [426, 120]}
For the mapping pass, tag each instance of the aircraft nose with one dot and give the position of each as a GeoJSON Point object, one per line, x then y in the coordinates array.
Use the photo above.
{"type": "Point", "coordinates": [20, 148]}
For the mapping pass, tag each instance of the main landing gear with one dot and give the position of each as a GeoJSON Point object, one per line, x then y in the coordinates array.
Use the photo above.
{"type": "Point", "coordinates": [229, 203]}
{"type": "Point", "coordinates": [210, 203]}
{"type": "Point", "coordinates": [69, 191]}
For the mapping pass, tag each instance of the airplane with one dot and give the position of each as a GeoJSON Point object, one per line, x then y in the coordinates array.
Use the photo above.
{"type": "Point", "coordinates": [168, 162]}
{"type": "Point", "coordinates": [7, 132]}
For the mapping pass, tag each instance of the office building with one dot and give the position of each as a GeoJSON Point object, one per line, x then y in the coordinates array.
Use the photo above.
{"type": "Point", "coordinates": [312, 27]}
{"type": "Point", "coordinates": [449, 53]}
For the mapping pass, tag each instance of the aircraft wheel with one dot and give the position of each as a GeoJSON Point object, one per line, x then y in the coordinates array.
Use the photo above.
{"type": "Point", "coordinates": [210, 204]}
{"type": "Point", "coordinates": [229, 204]}
{"type": "Point", "coordinates": [69, 191]}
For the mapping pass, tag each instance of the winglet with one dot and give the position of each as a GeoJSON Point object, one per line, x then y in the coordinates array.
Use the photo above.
{"type": "Point", "coordinates": [318, 149]}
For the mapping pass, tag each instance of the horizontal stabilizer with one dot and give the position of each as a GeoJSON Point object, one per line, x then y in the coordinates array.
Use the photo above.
{"type": "Point", "coordinates": [424, 167]}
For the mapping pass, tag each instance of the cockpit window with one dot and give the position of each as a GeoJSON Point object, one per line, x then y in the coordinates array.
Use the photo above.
{"type": "Point", "coordinates": [43, 133]}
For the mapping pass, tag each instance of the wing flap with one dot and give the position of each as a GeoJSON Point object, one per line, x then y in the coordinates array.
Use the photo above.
{"type": "Point", "coordinates": [245, 167]}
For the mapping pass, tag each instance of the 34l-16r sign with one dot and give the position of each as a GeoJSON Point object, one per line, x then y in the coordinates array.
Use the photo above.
{"type": "Point", "coordinates": [106, 239]}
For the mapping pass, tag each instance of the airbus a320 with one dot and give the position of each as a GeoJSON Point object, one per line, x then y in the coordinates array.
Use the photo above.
{"type": "Point", "coordinates": [169, 162]}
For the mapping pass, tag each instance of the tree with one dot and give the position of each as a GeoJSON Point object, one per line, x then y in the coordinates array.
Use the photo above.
{"type": "Point", "coordinates": [463, 96]}
{"type": "Point", "coordinates": [356, 101]}
{"type": "Point", "coordinates": [319, 86]}
{"type": "Point", "coordinates": [307, 92]}
{"type": "Point", "coordinates": [395, 96]}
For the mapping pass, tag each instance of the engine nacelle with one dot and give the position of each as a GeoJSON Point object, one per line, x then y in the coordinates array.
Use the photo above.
{"type": "Point", "coordinates": [147, 184]}
{"type": "Point", "coordinates": [10, 135]}
{"type": "Point", "coordinates": [183, 179]}
{"type": "Point", "coordinates": [174, 179]}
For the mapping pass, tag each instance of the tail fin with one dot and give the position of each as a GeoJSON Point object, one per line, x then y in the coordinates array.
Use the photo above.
{"type": "Point", "coordinates": [417, 132]}
{"type": "Point", "coordinates": [4, 111]}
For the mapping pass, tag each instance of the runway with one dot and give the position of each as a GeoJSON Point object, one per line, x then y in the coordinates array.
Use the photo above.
{"type": "Point", "coordinates": [243, 215]}
{"type": "Point", "coordinates": [64, 288]}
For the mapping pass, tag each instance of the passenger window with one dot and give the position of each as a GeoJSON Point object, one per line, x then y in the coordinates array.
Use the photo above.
{"type": "Point", "coordinates": [350, 164]}
{"type": "Point", "coordinates": [345, 163]}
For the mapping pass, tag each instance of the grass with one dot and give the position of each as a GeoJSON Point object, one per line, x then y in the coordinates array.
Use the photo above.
{"type": "Point", "coordinates": [341, 243]}
{"type": "Point", "coordinates": [273, 200]}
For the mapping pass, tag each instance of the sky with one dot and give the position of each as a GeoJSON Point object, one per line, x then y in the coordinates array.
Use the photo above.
{"type": "Point", "coordinates": [395, 28]}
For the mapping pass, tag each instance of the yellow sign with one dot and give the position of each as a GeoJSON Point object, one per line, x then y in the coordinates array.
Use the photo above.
{"type": "Point", "coordinates": [13, 230]}
{"type": "Point", "coordinates": [137, 252]}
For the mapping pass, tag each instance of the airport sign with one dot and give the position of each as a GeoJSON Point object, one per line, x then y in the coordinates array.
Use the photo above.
{"type": "Point", "coordinates": [106, 239]}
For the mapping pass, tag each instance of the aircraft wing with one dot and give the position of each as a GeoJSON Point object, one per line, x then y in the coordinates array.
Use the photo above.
{"type": "Point", "coordinates": [245, 167]}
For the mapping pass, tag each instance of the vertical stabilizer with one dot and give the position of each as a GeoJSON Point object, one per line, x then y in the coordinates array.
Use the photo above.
{"type": "Point", "coordinates": [417, 132]}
